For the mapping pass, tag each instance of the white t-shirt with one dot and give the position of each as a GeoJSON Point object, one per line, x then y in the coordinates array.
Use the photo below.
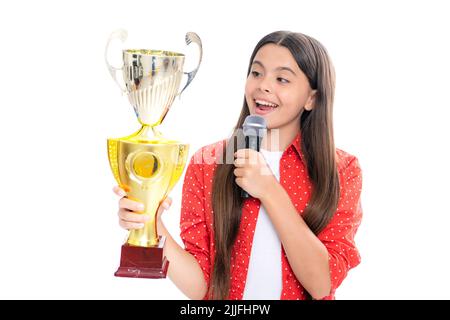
{"type": "Point", "coordinates": [264, 277]}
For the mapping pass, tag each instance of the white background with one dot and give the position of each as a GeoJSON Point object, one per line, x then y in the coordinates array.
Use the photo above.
{"type": "Point", "coordinates": [59, 234]}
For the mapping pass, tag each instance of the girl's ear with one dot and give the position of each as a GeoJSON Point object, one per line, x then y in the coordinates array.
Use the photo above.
{"type": "Point", "coordinates": [310, 103]}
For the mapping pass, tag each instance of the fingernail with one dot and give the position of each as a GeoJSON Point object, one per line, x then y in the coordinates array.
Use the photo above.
{"type": "Point", "coordinates": [140, 225]}
{"type": "Point", "coordinates": [140, 207]}
{"type": "Point", "coordinates": [146, 218]}
{"type": "Point", "coordinates": [122, 194]}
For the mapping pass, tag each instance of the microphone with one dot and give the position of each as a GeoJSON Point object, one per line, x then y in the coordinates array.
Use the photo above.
{"type": "Point", "coordinates": [254, 129]}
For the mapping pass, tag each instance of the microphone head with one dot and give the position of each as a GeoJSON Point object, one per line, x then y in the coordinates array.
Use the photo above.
{"type": "Point", "coordinates": [254, 126]}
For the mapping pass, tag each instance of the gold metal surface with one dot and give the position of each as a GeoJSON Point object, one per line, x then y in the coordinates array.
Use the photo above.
{"type": "Point", "coordinates": [147, 172]}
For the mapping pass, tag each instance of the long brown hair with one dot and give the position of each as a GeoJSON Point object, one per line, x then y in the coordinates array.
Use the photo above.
{"type": "Point", "coordinates": [318, 149]}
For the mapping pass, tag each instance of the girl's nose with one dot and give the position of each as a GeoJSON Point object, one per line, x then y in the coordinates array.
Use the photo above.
{"type": "Point", "coordinates": [265, 86]}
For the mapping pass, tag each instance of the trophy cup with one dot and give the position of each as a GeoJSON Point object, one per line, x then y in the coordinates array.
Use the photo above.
{"type": "Point", "coordinates": [145, 164]}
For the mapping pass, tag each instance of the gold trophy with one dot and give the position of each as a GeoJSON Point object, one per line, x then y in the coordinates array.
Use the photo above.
{"type": "Point", "coordinates": [145, 164]}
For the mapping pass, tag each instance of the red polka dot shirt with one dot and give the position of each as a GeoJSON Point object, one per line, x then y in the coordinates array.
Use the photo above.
{"type": "Point", "coordinates": [196, 221]}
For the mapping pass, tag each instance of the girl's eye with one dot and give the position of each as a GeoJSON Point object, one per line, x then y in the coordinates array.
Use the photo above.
{"type": "Point", "coordinates": [282, 80]}
{"type": "Point", "coordinates": [255, 73]}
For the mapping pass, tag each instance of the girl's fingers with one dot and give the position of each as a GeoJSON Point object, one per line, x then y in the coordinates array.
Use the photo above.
{"type": "Point", "coordinates": [239, 172]}
{"type": "Point", "coordinates": [167, 203]}
{"type": "Point", "coordinates": [244, 153]}
{"type": "Point", "coordinates": [239, 162]}
{"type": "Point", "coordinates": [129, 216]}
{"type": "Point", "coordinates": [125, 203]}
{"type": "Point", "coordinates": [119, 191]}
{"type": "Point", "coordinates": [130, 225]}
{"type": "Point", "coordinates": [134, 205]}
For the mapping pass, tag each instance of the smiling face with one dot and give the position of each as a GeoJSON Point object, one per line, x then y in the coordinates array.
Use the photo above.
{"type": "Point", "coordinates": [277, 89]}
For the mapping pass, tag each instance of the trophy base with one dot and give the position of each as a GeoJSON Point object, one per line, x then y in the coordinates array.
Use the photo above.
{"type": "Point", "coordinates": [143, 262]}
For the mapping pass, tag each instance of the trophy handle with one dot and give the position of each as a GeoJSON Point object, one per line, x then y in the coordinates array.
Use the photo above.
{"type": "Point", "coordinates": [122, 35]}
{"type": "Point", "coordinates": [192, 37]}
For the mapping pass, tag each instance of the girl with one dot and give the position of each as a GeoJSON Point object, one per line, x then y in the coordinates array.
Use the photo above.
{"type": "Point", "coordinates": [294, 237]}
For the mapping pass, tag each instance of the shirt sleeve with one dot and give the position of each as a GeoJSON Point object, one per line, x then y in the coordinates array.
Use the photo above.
{"type": "Point", "coordinates": [194, 230]}
{"type": "Point", "coordinates": [338, 235]}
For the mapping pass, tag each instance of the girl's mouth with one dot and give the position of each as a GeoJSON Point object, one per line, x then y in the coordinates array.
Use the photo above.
{"type": "Point", "coordinates": [264, 107]}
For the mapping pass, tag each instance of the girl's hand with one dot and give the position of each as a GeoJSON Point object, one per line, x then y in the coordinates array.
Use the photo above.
{"type": "Point", "coordinates": [129, 216]}
{"type": "Point", "coordinates": [253, 174]}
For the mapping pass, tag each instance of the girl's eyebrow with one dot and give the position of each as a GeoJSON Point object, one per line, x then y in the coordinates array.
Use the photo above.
{"type": "Point", "coordinates": [279, 68]}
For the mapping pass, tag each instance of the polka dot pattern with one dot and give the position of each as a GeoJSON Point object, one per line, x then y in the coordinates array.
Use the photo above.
{"type": "Point", "coordinates": [197, 231]}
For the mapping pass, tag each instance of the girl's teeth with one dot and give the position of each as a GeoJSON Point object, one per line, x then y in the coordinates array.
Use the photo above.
{"type": "Point", "coordinates": [264, 103]}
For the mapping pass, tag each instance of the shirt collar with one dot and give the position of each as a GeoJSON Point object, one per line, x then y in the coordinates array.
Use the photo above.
{"type": "Point", "coordinates": [296, 146]}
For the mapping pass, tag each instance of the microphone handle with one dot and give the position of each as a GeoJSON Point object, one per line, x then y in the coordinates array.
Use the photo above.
{"type": "Point", "coordinates": [251, 142]}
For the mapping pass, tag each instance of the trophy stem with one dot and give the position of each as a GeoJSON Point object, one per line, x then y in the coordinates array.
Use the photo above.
{"type": "Point", "coordinates": [146, 236]}
{"type": "Point", "coordinates": [148, 133]}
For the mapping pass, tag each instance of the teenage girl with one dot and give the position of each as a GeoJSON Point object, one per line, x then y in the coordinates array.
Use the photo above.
{"type": "Point", "coordinates": [294, 237]}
